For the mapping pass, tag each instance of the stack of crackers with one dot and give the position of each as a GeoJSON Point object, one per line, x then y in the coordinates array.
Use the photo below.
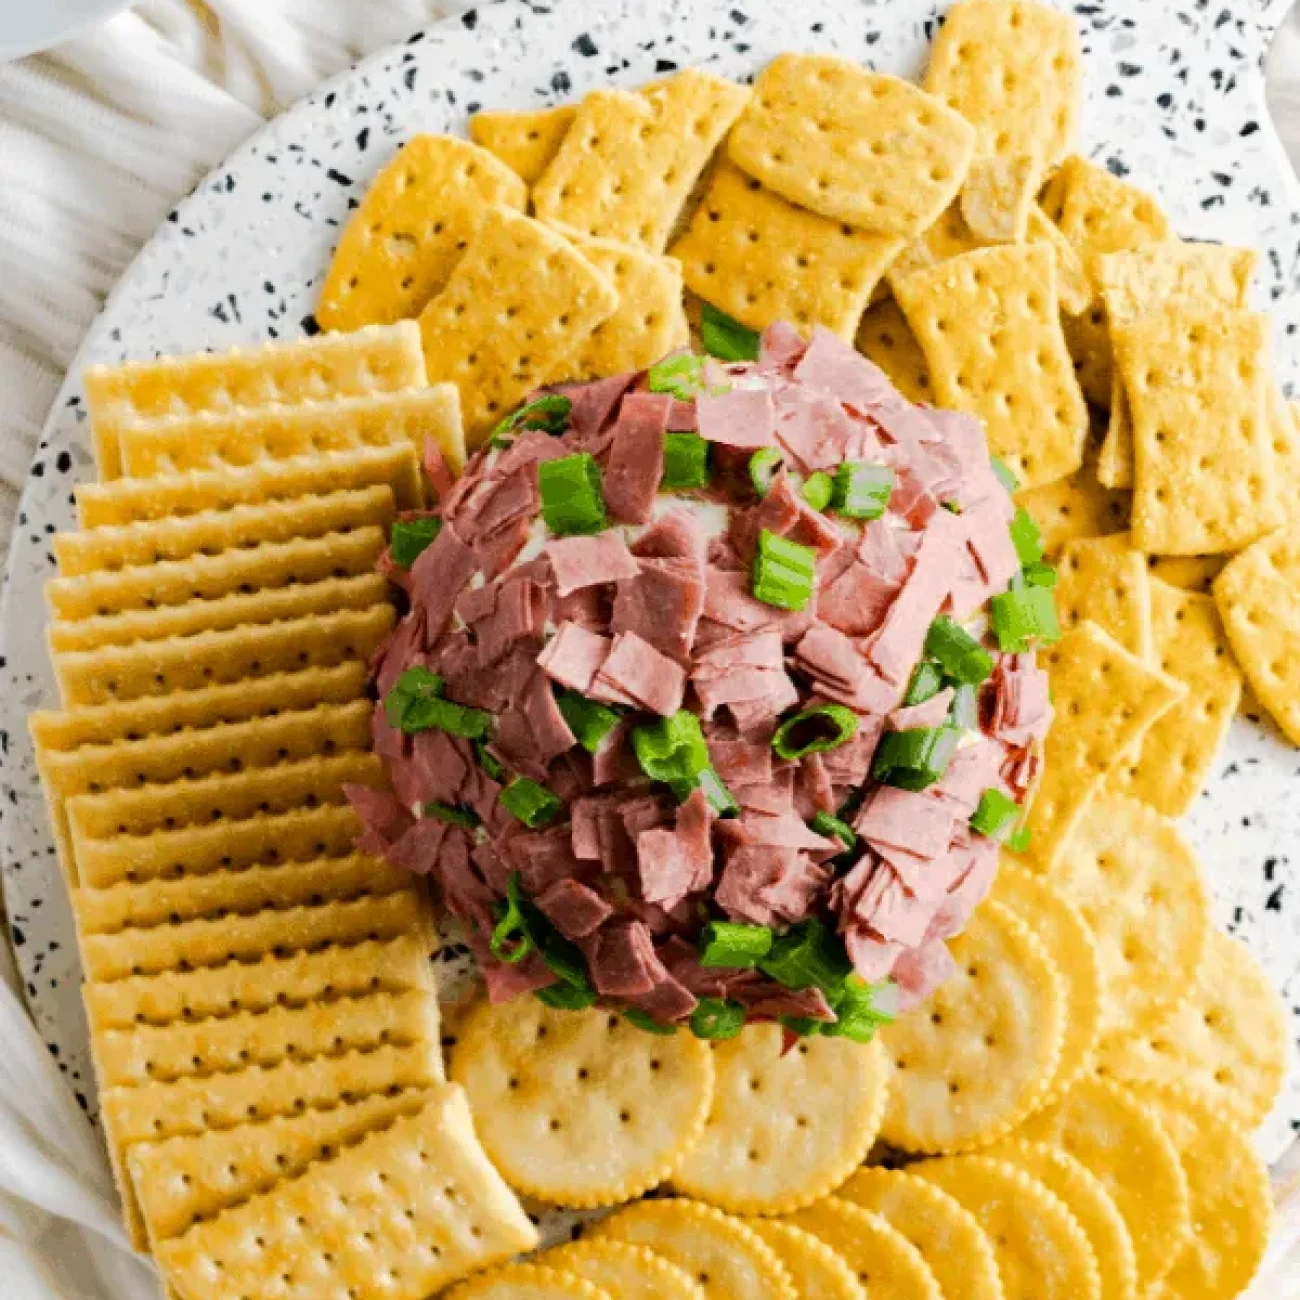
{"type": "Point", "coordinates": [260, 996]}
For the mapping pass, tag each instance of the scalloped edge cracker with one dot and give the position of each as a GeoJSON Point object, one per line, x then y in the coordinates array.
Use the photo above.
{"type": "Point", "coordinates": [528, 1280]}
{"type": "Point", "coordinates": [989, 325]}
{"type": "Point", "coordinates": [1105, 700]}
{"type": "Point", "coordinates": [885, 337]}
{"type": "Point", "coordinates": [627, 1272]}
{"type": "Point", "coordinates": [1104, 579]}
{"type": "Point", "coordinates": [852, 145]}
{"type": "Point", "coordinates": [525, 140]}
{"type": "Point", "coordinates": [816, 1269]}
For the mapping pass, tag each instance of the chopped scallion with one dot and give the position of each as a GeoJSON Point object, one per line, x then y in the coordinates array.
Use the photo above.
{"type": "Point", "coordinates": [717, 1019]}
{"type": "Point", "coordinates": [686, 462]}
{"type": "Point", "coordinates": [681, 375]}
{"type": "Point", "coordinates": [571, 495]}
{"type": "Point", "coordinates": [566, 997]}
{"type": "Point", "coordinates": [590, 722]}
{"type": "Point", "coordinates": [453, 816]}
{"type": "Point", "coordinates": [644, 1020]}
{"type": "Point", "coordinates": [959, 654]}
{"type": "Point", "coordinates": [926, 683]}
{"type": "Point", "coordinates": [411, 538]}
{"type": "Point", "coordinates": [715, 792]}
{"type": "Point", "coordinates": [725, 338]}
{"type": "Point", "coordinates": [1039, 574]}
{"type": "Point", "coordinates": [818, 490]}
{"type": "Point", "coordinates": [530, 803]}
{"type": "Point", "coordinates": [815, 731]}
{"type": "Point", "coordinates": [488, 762]}
{"type": "Point", "coordinates": [915, 760]}
{"type": "Point", "coordinates": [784, 572]}
{"type": "Point", "coordinates": [407, 704]}
{"type": "Point", "coordinates": [996, 815]}
{"type": "Point", "coordinates": [672, 749]}
{"type": "Point", "coordinates": [512, 940]}
{"type": "Point", "coordinates": [549, 413]}
{"type": "Point", "coordinates": [832, 827]}
{"type": "Point", "coordinates": [724, 943]}
{"type": "Point", "coordinates": [1004, 475]}
{"type": "Point", "coordinates": [1026, 538]}
{"type": "Point", "coordinates": [862, 1009]}
{"type": "Point", "coordinates": [862, 491]}
{"type": "Point", "coordinates": [1019, 840]}
{"type": "Point", "coordinates": [763, 467]}
{"type": "Point", "coordinates": [1025, 617]}
{"type": "Point", "coordinates": [808, 955]}
{"type": "Point", "coordinates": [964, 712]}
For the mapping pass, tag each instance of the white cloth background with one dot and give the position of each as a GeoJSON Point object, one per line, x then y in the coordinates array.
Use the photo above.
{"type": "Point", "coordinates": [97, 141]}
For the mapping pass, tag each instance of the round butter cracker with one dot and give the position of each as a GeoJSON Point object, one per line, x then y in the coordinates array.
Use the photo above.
{"type": "Point", "coordinates": [818, 1272]}
{"type": "Point", "coordinates": [527, 1282]}
{"type": "Point", "coordinates": [627, 1272]}
{"type": "Point", "coordinates": [786, 1127]}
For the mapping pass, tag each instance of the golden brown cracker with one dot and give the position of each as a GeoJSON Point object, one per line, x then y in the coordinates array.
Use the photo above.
{"type": "Point", "coordinates": [1073, 285]}
{"type": "Point", "coordinates": [885, 337]}
{"type": "Point", "coordinates": [999, 196]}
{"type": "Point", "coordinates": [1105, 214]}
{"type": "Point", "coordinates": [1115, 462]}
{"type": "Point", "coordinates": [1188, 572]}
{"type": "Point", "coordinates": [818, 1272]}
{"type": "Point", "coordinates": [527, 1281]}
{"type": "Point", "coordinates": [526, 141]}
{"type": "Point", "coordinates": [626, 1271]}
{"type": "Point", "coordinates": [1075, 508]}
{"type": "Point", "coordinates": [1087, 336]}
{"type": "Point", "coordinates": [948, 237]}
{"type": "Point", "coordinates": [1106, 580]}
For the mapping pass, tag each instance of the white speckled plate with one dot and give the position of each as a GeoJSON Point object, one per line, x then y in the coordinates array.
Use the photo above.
{"type": "Point", "coordinates": [1176, 99]}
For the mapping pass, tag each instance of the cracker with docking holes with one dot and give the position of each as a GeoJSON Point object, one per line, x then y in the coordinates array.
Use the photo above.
{"type": "Point", "coordinates": [1065, 933]}
{"type": "Point", "coordinates": [528, 1281]}
{"type": "Point", "coordinates": [380, 360]}
{"type": "Point", "coordinates": [1174, 760]}
{"type": "Point", "coordinates": [1139, 885]}
{"type": "Point", "coordinates": [981, 1055]}
{"type": "Point", "coordinates": [1188, 572]}
{"type": "Point", "coordinates": [853, 145]}
{"type": "Point", "coordinates": [1119, 1139]}
{"type": "Point", "coordinates": [785, 1127]}
{"type": "Point", "coordinates": [1103, 579]}
{"type": "Point", "coordinates": [885, 1263]}
{"type": "Point", "coordinates": [1087, 336]}
{"type": "Point", "coordinates": [411, 228]}
{"type": "Point", "coordinates": [1015, 71]}
{"type": "Point", "coordinates": [948, 237]}
{"type": "Point", "coordinates": [1105, 699]}
{"type": "Point", "coordinates": [628, 162]}
{"type": "Point", "coordinates": [958, 1251]}
{"type": "Point", "coordinates": [817, 1271]}
{"type": "Point", "coordinates": [1073, 286]}
{"type": "Point", "coordinates": [526, 141]}
{"type": "Point", "coordinates": [515, 312]}
{"type": "Point", "coordinates": [989, 325]}
{"type": "Point", "coordinates": [375, 1211]}
{"type": "Point", "coordinates": [625, 1271]}
{"type": "Point", "coordinates": [999, 196]}
{"type": "Point", "coordinates": [758, 258]}
{"type": "Point", "coordinates": [1042, 1252]}
{"type": "Point", "coordinates": [1238, 1062]}
{"type": "Point", "coordinates": [549, 1088]}
{"type": "Point", "coordinates": [727, 1257]}
{"type": "Point", "coordinates": [1102, 214]}
{"type": "Point", "coordinates": [1075, 508]}
{"type": "Point", "coordinates": [885, 337]}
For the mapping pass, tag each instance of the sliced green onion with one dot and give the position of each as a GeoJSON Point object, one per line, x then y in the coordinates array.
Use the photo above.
{"type": "Point", "coordinates": [590, 722]}
{"type": "Point", "coordinates": [550, 413]}
{"type": "Point", "coordinates": [571, 495]}
{"type": "Point", "coordinates": [1039, 574]}
{"type": "Point", "coordinates": [726, 943]}
{"type": "Point", "coordinates": [763, 467]}
{"type": "Point", "coordinates": [802, 1027]}
{"type": "Point", "coordinates": [512, 926]}
{"type": "Point", "coordinates": [915, 760]}
{"type": "Point", "coordinates": [530, 803]}
{"type": "Point", "coordinates": [456, 719]}
{"type": "Point", "coordinates": [406, 705]}
{"type": "Point", "coordinates": [445, 812]}
{"type": "Point", "coordinates": [815, 731]}
{"type": "Point", "coordinates": [862, 491]}
{"type": "Point", "coordinates": [1025, 617]}
{"type": "Point", "coordinates": [672, 749]}
{"type": "Point", "coordinates": [808, 955]}
{"type": "Point", "coordinates": [681, 375]}
{"type": "Point", "coordinates": [725, 338]}
{"type": "Point", "coordinates": [566, 997]}
{"type": "Point", "coordinates": [563, 959]}
{"type": "Point", "coordinates": [488, 763]}
{"type": "Point", "coordinates": [959, 654]}
{"type": "Point", "coordinates": [716, 1019]}
{"type": "Point", "coordinates": [1019, 840]}
{"type": "Point", "coordinates": [834, 829]}
{"type": "Point", "coordinates": [1026, 538]}
{"type": "Point", "coordinates": [715, 792]}
{"type": "Point", "coordinates": [926, 683]}
{"type": "Point", "coordinates": [964, 711]}
{"type": "Point", "coordinates": [862, 1009]}
{"type": "Point", "coordinates": [644, 1020]}
{"type": "Point", "coordinates": [952, 507]}
{"type": "Point", "coordinates": [411, 538]}
{"type": "Point", "coordinates": [686, 462]}
{"type": "Point", "coordinates": [1004, 475]}
{"type": "Point", "coordinates": [784, 572]}
{"type": "Point", "coordinates": [996, 815]}
{"type": "Point", "coordinates": [818, 490]}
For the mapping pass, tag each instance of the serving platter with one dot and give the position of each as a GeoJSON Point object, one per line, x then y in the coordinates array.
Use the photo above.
{"type": "Point", "coordinates": [1175, 100]}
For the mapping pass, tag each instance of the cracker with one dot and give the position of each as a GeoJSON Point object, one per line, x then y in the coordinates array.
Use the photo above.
{"type": "Point", "coordinates": [948, 237]}
{"type": "Point", "coordinates": [818, 1272]}
{"type": "Point", "coordinates": [1176, 756]}
{"type": "Point", "coordinates": [184, 1179]}
{"type": "Point", "coordinates": [374, 1211]}
{"type": "Point", "coordinates": [209, 577]}
{"type": "Point", "coordinates": [1103, 214]}
{"type": "Point", "coordinates": [211, 440]}
{"type": "Point", "coordinates": [526, 141]}
{"type": "Point", "coordinates": [999, 195]}
{"type": "Point", "coordinates": [958, 1251]}
{"type": "Point", "coordinates": [979, 1057]}
{"type": "Point", "coordinates": [414, 223]}
{"type": "Point", "coordinates": [1119, 1139]}
{"type": "Point", "coordinates": [1231, 1200]}
{"type": "Point", "coordinates": [216, 942]}
{"type": "Point", "coordinates": [759, 259]}
{"type": "Point", "coordinates": [1140, 888]}
{"type": "Point", "coordinates": [1115, 462]}
{"type": "Point", "coordinates": [1234, 1057]}
{"type": "Point", "coordinates": [528, 1281]}
{"type": "Point", "coordinates": [513, 315]}
{"type": "Point", "coordinates": [885, 1263]}
{"type": "Point", "coordinates": [297, 979]}
{"type": "Point", "coordinates": [728, 1259]}
{"type": "Point", "coordinates": [1107, 581]}
{"type": "Point", "coordinates": [629, 161]}
{"type": "Point", "coordinates": [1073, 287]}
{"type": "Point", "coordinates": [990, 328]}
{"type": "Point", "coordinates": [1065, 933]}
{"type": "Point", "coordinates": [785, 1127]}
{"type": "Point", "coordinates": [1014, 70]}
{"type": "Point", "coordinates": [1105, 699]}
{"type": "Point", "coordinates": [377, 360]}
{"type": "Point", "coordinates": [1042, 1252]}
{"type": "Point", "coordinates": [187, 663]}
{"type": "Point", "coordinates": [1087, 337]}
{"type": "Point", "coordinates": [1091, 1205]}
{"type": "Point", "coordinates": [1257, 599]}
{"type": "Point", "coordinates": [1188, 572]}
{"type": "Point", "coordinates": [853, 145]}
{"type": "Point", "coordinates": [549, 1087]}
{"type": "Point", "coordinates": [627, 1272]}
{"type": "Point", "coordinates": [885, 337]}
{"type": "Point", "coordinates": [1076, 507]}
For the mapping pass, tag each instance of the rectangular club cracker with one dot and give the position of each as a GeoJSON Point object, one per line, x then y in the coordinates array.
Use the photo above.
{"type": "Point", "coordinates": [374, 1210]}
{"type": "Point", "coordinates": [1197, 389]}
{"type": "Point", "coordinates": [187, 663]}
{"type": "Point", "coordinates": [990, 328]}
{"type": "Point", "coordinates": [885, 337]}
{"type": "Point", "coordinates": [628, 162]}
{"type": "Point", "coordinates": [526, 142]}
{"type": "Point", "coordinates": [513, 315]}
{"type": "Point", "coordinates": [1105, 699]}
{"type": "Point", "coordinates": [760, 259]}
{"type": "Point", "coordinates": [401, 243]}
{"type": "Point", "coordinates": [1087, 335]}
{"type": "Point", "coordinates": [240, 438]}
{"type": "Point", "coordinates": [1174, 759]}
{"type": "Point", "coordinates": [373, 361]}
{"type": "Point", "coordinates": [1105, 580]}
{"type": "Point", "coordinates": [134, 501]}
{"type": "Point", "coordinates": [852, 145]}
{"type": "Point", "coordinates": [949, 236]}
{"type": "Point", "coordinates": [1073, 287]}
{"type": "Point", "coordinates": [1102, 214]}
{"type": "Point", "coordinates": [1075, 508]}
